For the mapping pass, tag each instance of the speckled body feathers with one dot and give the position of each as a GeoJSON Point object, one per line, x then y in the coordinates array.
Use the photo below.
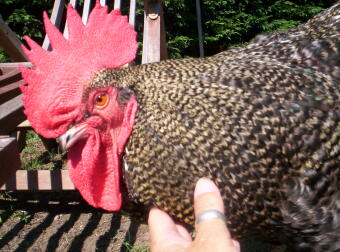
{"type": "Point", "coordinates": [262, 121]}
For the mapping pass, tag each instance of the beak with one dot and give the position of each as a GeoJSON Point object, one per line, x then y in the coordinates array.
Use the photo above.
{"type": "Point", "coordinates": [71, 136]}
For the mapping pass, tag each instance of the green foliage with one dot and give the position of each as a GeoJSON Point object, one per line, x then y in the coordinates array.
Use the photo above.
{"type": "Point", "coordinates": [35, 157]}
{"type": "Point", "coordinates": [22, 215]}
{"type": "Point", "coordinates": [229, 22]}
{"type": "Point", "coordinates": [226, 23]}
{"type": "Point", "coordinates": [131, 248]}
{"type": "Point", "coordinates": [25, 17]}
{"type": "Point", "coordinates": [178, 44]}
{"type": "Point", "coordinates": [3, 56]}
{"type": "Point", "coordinates": [181, 28]}
{"type": "Point", "coordinates": [31, 26]}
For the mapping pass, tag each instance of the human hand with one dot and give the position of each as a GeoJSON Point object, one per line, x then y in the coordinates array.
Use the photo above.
{"type": "Point", "coordinates": [211, 234]}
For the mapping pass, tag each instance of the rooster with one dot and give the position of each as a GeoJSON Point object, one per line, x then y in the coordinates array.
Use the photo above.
{"type": "Point", "coordinates": [261, 121]}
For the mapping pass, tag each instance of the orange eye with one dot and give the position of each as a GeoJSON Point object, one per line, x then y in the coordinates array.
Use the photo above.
{"type": "Point", "coordinates": [101, 101]}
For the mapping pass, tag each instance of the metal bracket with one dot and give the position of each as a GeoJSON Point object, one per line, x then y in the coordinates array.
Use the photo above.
{"type": "Point", "coordinates": [153, 9]}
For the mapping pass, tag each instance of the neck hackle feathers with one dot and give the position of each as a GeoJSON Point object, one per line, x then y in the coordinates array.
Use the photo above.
{"type": "Point", "coordinates": [56, 82]}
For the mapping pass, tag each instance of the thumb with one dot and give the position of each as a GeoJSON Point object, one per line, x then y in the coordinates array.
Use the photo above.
{"type": "Point", "coordinates": [208, 231]}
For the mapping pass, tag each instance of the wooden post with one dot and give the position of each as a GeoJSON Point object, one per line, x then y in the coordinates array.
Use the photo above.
{"type": "Point", "coordinates": [10, 42]}
{"type": "Point", "coordinates": [154, 47]}
{"type": "Point", "coordinates": [9, 158]}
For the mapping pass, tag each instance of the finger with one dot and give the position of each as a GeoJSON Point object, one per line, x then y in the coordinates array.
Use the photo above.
{"type": "Point", "coordinates": [183, 232]}
{"type": "Point", "coordinates": [208, 197]}
{"type": "Point", "coordinates": [164, 234]}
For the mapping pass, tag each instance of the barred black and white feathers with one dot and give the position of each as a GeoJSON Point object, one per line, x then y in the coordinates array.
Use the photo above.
{"type": "Point", "coordinates": [262, 121]}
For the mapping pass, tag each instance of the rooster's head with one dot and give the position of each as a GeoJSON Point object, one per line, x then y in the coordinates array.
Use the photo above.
{"type": "Point", "coordinates": [93, 123]}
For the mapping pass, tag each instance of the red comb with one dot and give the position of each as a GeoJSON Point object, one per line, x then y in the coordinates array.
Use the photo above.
{"type": "Point", "coordinates": [55, 85]}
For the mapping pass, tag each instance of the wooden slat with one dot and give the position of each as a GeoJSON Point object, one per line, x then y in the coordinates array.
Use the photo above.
{"type": "Point", "coordinates": [86, 11]}
{"type": "Point", "coordinates": [132, 13]}
{"type": "Point", "coordinates": [25, 124]}
{"type": "Point", "coordinates": [5, 70]}
{"type": "Point", "coordinates": [56, 18]}
{"type": "Point", "coordinates": [15, 65]}
{"type": "Point", "coordinates": [11, 75]}
{"type": "Point", "coordinates": [10, 87]}
{"type": "Point", "coordinates": [10, 42]}
{"type": "Point", "coordinates": [154, 48]}
{"type": "Point", "coordinates": [11, 114]}
{"type": "Point", "coordinates": [117, 4]}
{"type": "Point", "coordinates": [66, 181]}
{"type": "Point", "coordinates": [42, 180]}
{"type": "Point", "coordinates": [10, 91]}
{"type": "Point", "coordinates": [21, 138]}
{"type": "Point", "coordinates": [9, 158]}
{"type": "Point", "coordinates": [73, 2]}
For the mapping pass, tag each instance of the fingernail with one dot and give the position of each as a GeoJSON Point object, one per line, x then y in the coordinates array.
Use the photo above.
{"type": "Point", "coordinates": [204, 185]}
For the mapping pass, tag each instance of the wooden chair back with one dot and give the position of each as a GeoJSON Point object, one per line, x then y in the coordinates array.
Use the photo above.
{"type": "Point", "coordinates": [11, 107]}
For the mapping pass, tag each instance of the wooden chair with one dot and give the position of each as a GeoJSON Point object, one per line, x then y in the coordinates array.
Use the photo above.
{"type": "Point", "coordinates": [11, 107]}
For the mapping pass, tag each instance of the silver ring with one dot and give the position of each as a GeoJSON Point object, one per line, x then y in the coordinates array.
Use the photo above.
{"type": "Point", "coordinates": [210, 214]}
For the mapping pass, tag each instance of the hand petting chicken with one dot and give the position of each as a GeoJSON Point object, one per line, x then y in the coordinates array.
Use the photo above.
{"type": "Point", "coordinates": [261, 121]}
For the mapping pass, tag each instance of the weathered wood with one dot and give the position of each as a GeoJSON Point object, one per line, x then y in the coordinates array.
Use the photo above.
{"type": "Point", "coordinates": [10, 91]}
{"type": "Point", "coordinates": [9, 158]}
{"type": "Point", "coordinates": [6, 70]}
{"type": "Point", "coordinates": [56, 18]}
{"type": "Point", "coordinates": [9, 75]}
{"type": "Point", "coordinates": [10, 42]}
{"type": "Point", "coordinates": [11, 114]}
{"type": "Point", "coordinates": [12, 86]}
{"type": "Point", "coordinates": [3, 66]}
{"type": "Point", "coordinates": [154, 48]}
{"type": "Point", "coordinates": [21, 138]}
{"type": "Point", "coordinates": [117, 4]}
{"type": "Point", "coordinates": [86, 11]}
{"type": "Point", "coordinates": [73, 3]}
{"type": "Point", "coordinates": [132, 13]}
{"type": "Point", "coordinates": [25, 125]}
{"type": "Point", "coordinates": [42, 180]}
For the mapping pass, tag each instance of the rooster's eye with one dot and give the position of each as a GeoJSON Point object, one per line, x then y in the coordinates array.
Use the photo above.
{"type": "Point", "coordinates": [101, 101]}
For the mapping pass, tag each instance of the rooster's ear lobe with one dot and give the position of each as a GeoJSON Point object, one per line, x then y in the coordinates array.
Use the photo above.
{"type": "Point", "coordinates": [128, 122]}
{"type": "Point", "coordinates": [130, 112]}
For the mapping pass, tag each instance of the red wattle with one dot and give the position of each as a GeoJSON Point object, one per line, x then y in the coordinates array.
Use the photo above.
{"type": "Point", "coordinates": [95, 170]}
